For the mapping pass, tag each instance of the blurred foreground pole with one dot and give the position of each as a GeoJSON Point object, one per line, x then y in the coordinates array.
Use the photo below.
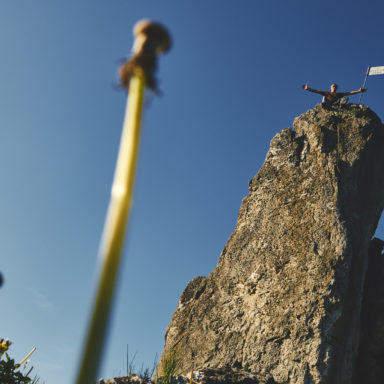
{"type": "Point", "coordinates": [150, 40]}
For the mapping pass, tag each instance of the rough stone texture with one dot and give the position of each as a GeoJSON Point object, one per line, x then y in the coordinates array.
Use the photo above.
{"type": "Point", "coordinates": [370, 362]}
{"type": "Point", "coordinates": [206, 376]}
{"type": "Point", "coordinates": [284, 300]}
{"type": "Point", "coordinates": [131, 379]}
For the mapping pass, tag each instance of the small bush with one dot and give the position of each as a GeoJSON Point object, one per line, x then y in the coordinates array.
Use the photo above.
{"type": "Point", "coordinates": [10, 372]}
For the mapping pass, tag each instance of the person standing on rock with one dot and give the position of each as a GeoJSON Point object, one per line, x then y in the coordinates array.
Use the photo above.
{"type": "Point", "coordinates": [331, 98]}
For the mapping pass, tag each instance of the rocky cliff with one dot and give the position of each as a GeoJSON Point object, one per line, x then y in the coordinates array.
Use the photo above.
{"type": "Point", "coordinates": [283, 304]}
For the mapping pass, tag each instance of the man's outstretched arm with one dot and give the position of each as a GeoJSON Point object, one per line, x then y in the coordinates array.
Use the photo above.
{"type": "Point", "coordinates": [305, 86]}
{"type": "Point", "coordinates": [361, 90]}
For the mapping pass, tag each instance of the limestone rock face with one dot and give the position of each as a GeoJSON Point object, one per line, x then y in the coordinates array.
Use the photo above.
{"type": "Point", "coordinates": [370, 362]}
{"type": "Point", "coordinates": [284, 300]}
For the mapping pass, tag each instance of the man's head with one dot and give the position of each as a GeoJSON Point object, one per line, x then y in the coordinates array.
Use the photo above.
{"type": "Point", "coordinates": [334, 87]}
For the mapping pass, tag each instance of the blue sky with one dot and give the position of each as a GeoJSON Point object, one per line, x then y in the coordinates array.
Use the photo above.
{"type": "Point", "coordinates": [231, 82]}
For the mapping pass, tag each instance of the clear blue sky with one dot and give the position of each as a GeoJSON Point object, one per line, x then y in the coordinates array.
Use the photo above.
{"type": "Point", "coordinates": [231, 82]}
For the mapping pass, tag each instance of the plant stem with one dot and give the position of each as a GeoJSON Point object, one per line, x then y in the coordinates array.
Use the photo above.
{"type": "Point", "coordinates": [26, 357]}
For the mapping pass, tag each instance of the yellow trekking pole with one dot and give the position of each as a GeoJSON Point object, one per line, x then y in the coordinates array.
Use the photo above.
{"type": "Point", "coordinates": [151, 39]}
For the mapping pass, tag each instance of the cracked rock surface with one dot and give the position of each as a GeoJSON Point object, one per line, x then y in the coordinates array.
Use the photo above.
{"type": "Point", "coordinates": [284, 301]}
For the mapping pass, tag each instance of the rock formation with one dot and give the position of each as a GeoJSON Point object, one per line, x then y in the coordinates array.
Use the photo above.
{"type": "Point", "coordinates": [370, 362]}
{"type": "Point", "coordinates": [284, 301]}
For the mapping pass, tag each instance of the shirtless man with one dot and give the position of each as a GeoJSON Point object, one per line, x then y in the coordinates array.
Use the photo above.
{"type": "Point", "coordinates": [330, 98]}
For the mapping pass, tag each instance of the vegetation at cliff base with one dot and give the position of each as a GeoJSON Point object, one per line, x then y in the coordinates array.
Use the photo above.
{"type": "Point", "coordinates": [12, 372]}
